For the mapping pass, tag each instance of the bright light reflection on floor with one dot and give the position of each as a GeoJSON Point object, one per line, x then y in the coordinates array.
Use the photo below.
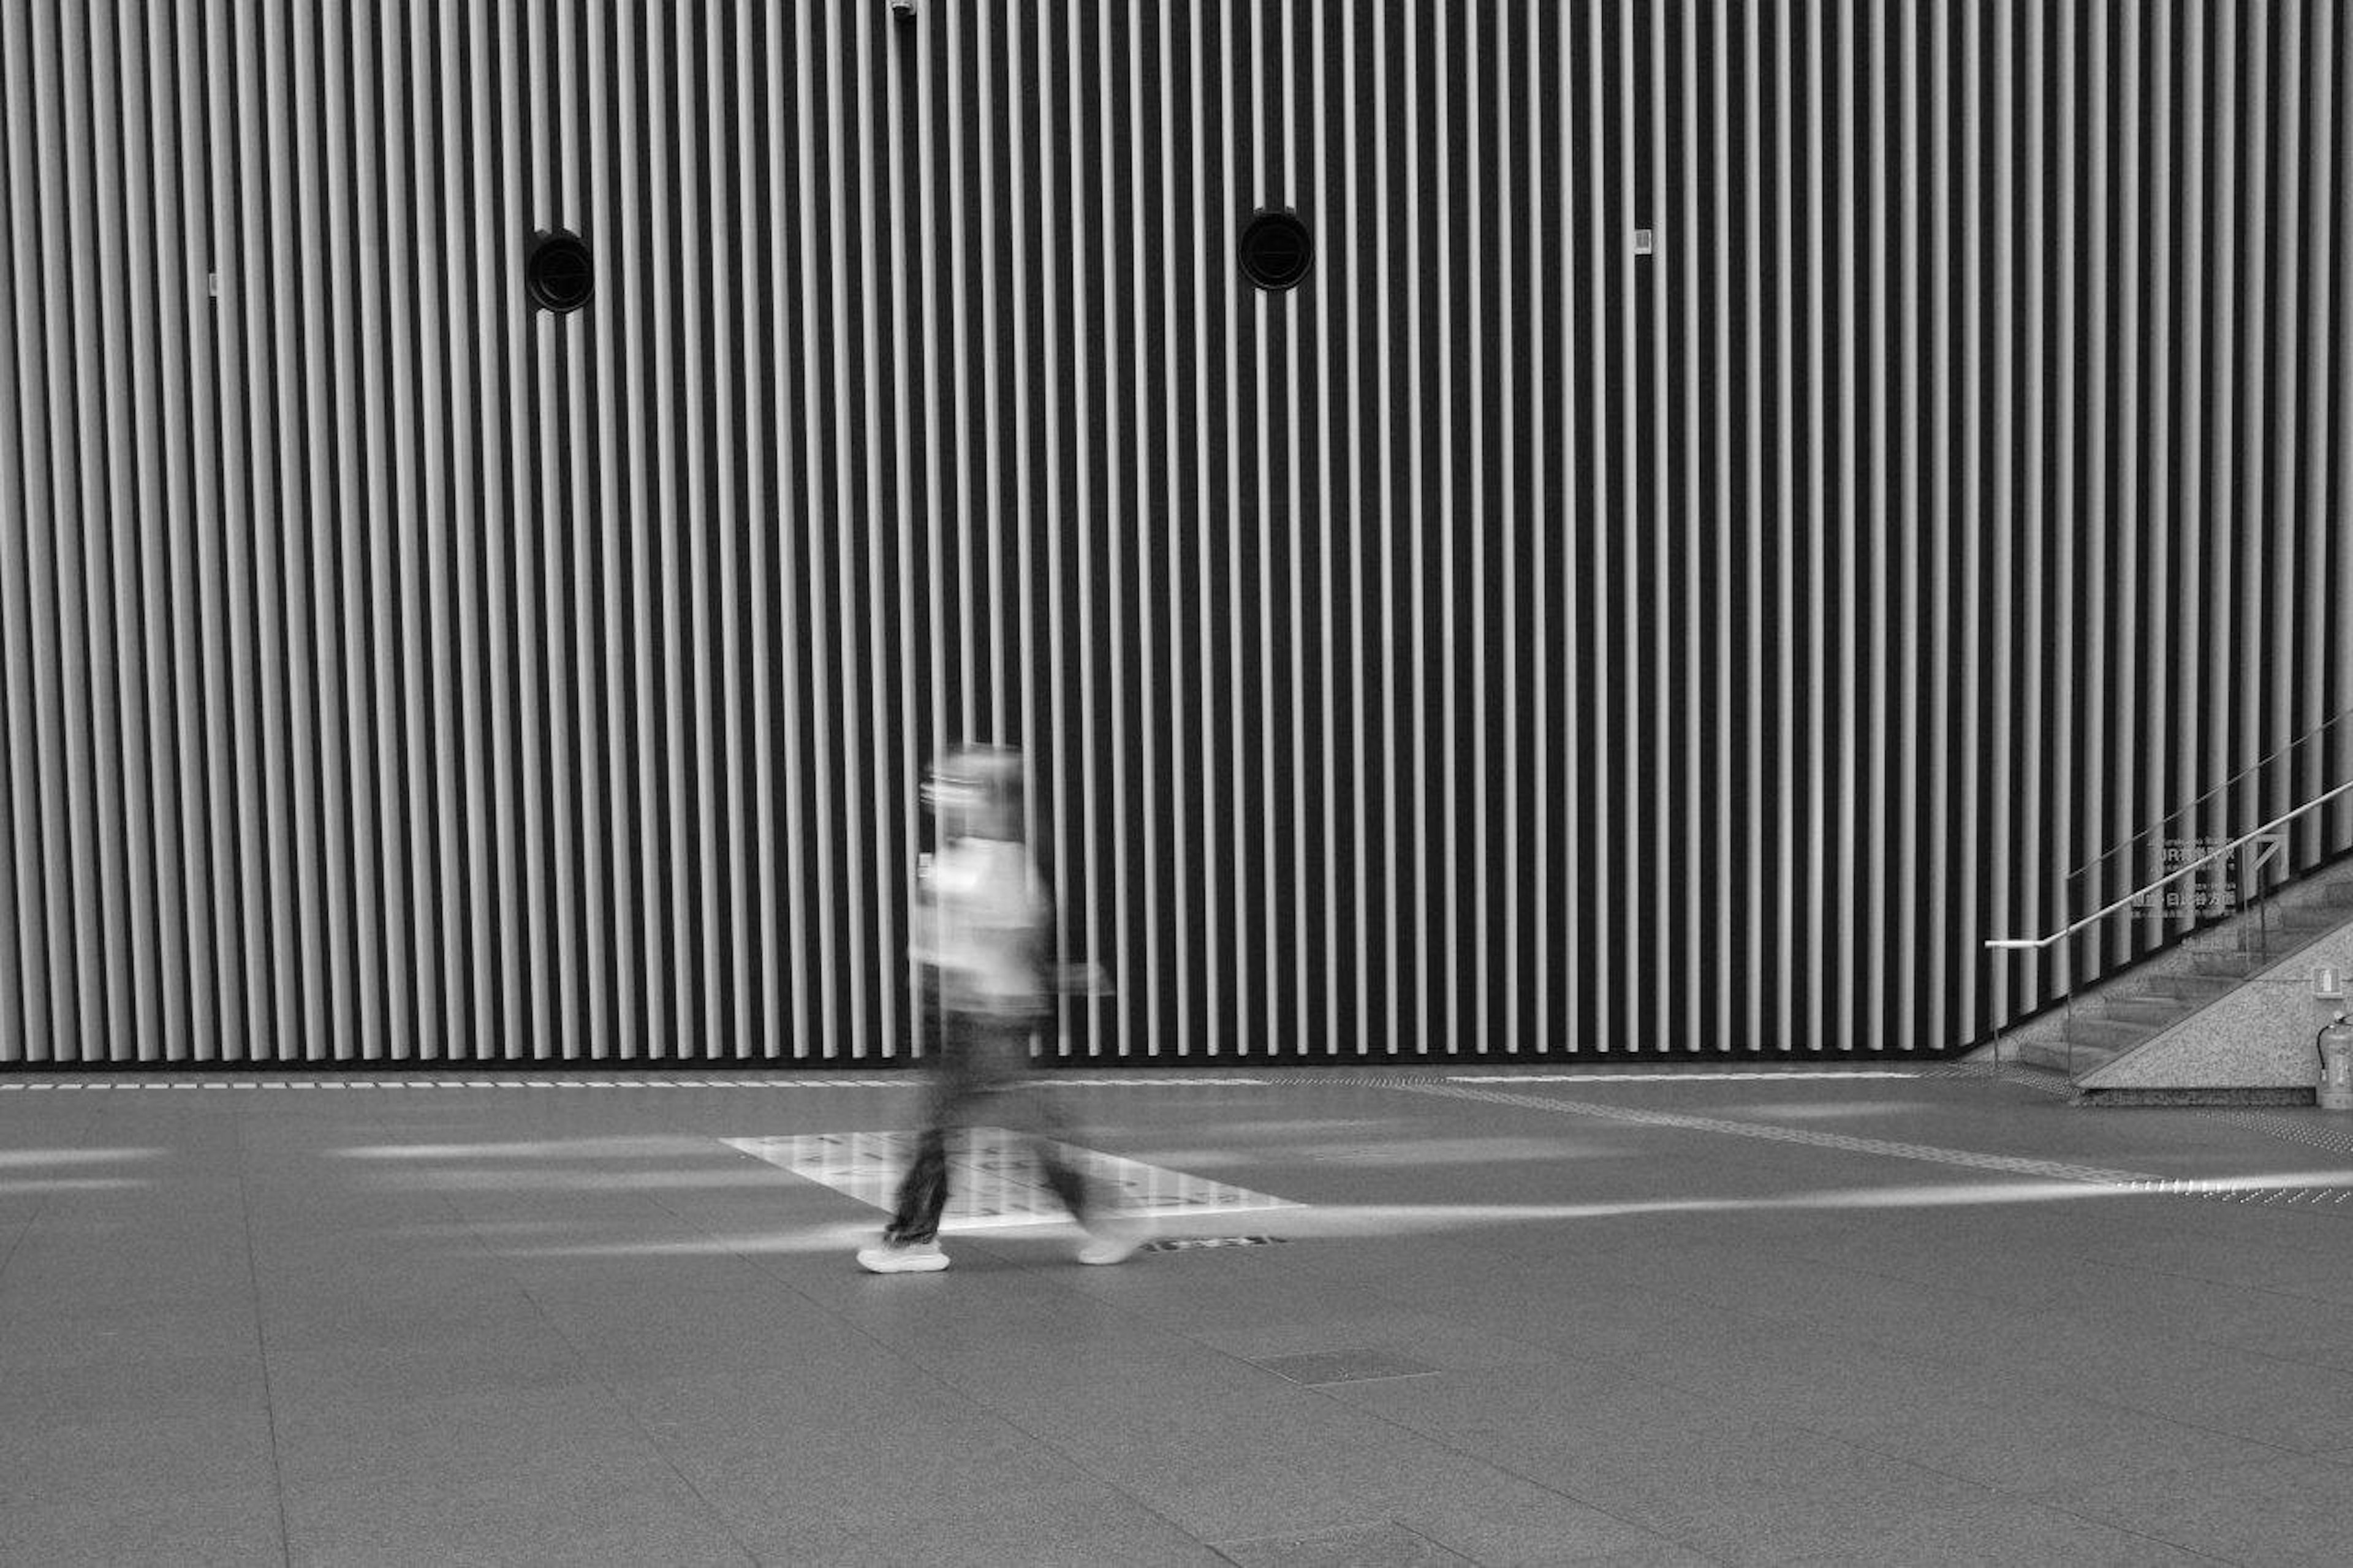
{"type": "Point", "coordinates": [68, 1184]}
{"type": "Point", "coordinates": [1358, 1221]}
{"type": "Point", "coordinates": [543, 1149]}
{"type": "Point", "coordinates": [32, 1159]}
{"type": "Point", "coordinates": [992, 1180]}
{"type": "Point", "coordinates": [1664, 1075]}
{"type": "Point", "coordinates": [1408, 1152]}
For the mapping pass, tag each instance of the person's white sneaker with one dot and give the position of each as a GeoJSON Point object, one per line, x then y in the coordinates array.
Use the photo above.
{"type": "Point", "coordinates": [902, 1257]}
{"type": "Point", "coordinates": [1110, 1242]}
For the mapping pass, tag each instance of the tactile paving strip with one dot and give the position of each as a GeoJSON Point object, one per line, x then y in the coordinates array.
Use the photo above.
{"type": "Point", "coordinates": [2336, 1139]}
{"type": "Point", "coordinates": [2042, 1080]}
{"type": "Point", "coordinates": [992, 1180]}
{"type": "Point", "coordinates": [2263, 1197]}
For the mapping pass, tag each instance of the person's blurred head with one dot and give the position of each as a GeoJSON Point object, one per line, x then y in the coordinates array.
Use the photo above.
{"type": "Point", "coordinates": [975, 792]}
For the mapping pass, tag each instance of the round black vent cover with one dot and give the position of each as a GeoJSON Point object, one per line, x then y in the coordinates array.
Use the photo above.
{"type": "Point", "coordinates": [1275, 249]}
{"type": "Point", "coordinates": [559, 271]}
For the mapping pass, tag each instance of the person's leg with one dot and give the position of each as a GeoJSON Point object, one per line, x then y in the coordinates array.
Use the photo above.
{"type": "Point", "coordinates": [924, 1190]}
{"type": "Point", "coordinates": [1047, 1126]}
{"type": "Point", "coordinates": [922, 1193]}
{"type": "Point", "coordinates": [1041, 1116]}
{"type": "Point", "coordinates": [909, 1241]}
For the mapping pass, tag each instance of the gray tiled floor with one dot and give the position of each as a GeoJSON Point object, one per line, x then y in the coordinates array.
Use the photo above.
{"type": "Point", "coordinates": [509, 1326]}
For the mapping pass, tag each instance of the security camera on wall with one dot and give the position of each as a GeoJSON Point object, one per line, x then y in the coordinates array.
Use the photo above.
{"type": "Point", "coordinates": [906, 9]}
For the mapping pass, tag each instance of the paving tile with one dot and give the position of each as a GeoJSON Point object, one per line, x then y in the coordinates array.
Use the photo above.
{"type": "Point", "coordinates": [1070, 1524]}
{"type": "Point", "coordinates": [457, 1438]}
{"type": "Point", "coordinates": [107, 1330]}
{"type": "Point", "coordinates": [231, 1527]}
{"type": "Point", "coordinates": [2217, 1388]}
{"type": "Point", "coordinates": [1663, 1554]}
{"type": "Point", "coordinates": [2283, 1509]}
{"type": "Point", "coordinates": [148, 1386]}
{"type": "Point", "coordinates": [862, 1474]}
{"type": "Point", "coordinates": [201, 1449]}
{"type": "Point", "coordinates": [1999, 1533]}
{"type": "Point", "coordinates": [1316, 1368]}
{"type": "Point", "coordinates": [2047, 1447]}
{"type": "Point", "coordinates": [508, 1521]}
{"type": "Point", "coordinates": [1301, 1462]}
{"type": "Point", "coordinates": [1504, 1522]}
{"type": "Point", "coordinates": [344, 1376]}
{"type": "Point", "coordinates": [1356, 1546]}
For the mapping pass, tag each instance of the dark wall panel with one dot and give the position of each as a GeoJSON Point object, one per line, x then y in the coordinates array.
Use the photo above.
{"type": "Point", "coordinates": [1525, 638]}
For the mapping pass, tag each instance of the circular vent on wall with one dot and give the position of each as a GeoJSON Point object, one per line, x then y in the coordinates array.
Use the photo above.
{"type": "Point", "coordinates": [559, 271]}
{"type": "Point", "coordinates": [1275, 249]}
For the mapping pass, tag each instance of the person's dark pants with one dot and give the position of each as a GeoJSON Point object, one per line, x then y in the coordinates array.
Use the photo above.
{"type": "Point", "coordinates": [982, 1062]}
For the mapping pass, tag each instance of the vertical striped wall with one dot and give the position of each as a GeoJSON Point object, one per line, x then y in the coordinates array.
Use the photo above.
{"type": "Point", "coordinates": [1509, 642]}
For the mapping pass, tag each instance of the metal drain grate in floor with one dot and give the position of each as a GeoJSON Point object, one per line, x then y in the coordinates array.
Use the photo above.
{"type": "Point", "coordinates": [1344, 1366]}
{"type": "Point", "coordinates": [1208, 1243]}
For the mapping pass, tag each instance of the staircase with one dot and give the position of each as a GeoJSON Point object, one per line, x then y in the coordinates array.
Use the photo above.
{"type": "Point", "coordinates": [2152, 996]}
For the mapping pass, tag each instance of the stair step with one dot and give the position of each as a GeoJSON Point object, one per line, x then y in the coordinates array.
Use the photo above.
{"type": "Point", "coordinates": [2056, 1056]}
{"type": "Point", "coordinates": [2191, 987]}
{"type": "Point", "coordinates": [2313, 921]}
{"type": "Point", "coordinates": [2084, 1029]}
{"type": "Point", "coordinates": [2235, 966]}
{"type": "Point", "coordinates": [2160, 1011]}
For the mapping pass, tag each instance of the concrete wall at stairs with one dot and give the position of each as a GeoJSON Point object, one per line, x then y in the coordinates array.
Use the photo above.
{"type": "Point", "coordinates": [2257, 1036]}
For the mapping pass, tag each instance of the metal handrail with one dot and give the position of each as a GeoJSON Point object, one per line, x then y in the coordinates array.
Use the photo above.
{"type": "Point", "coordinates": [2262, 761]}
{"type": "Point", "coordinates": [2031, 942]}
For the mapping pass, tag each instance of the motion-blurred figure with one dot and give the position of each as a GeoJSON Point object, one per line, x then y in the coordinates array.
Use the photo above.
{"type": "Point", "coordinates": [983, 932]}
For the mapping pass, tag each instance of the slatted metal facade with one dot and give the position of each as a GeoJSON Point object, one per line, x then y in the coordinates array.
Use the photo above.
{"type": "Point", "coordinates": [1510, 641]}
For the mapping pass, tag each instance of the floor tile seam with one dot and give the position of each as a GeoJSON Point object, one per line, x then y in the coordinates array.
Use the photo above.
{"type": "Point", "coordinates": [2040, 1504]}
{"type": "Point", "coordinates": [1321, 1531]}
{"type": "Point", "coordinates": [261, 1351]}
{"type": "Point", "coordinates": [1957, 1361]}
{"type": "Point", "coordinates": [1505, 1469]}
{"type": "Point", "coordinates": [1961, 1362]}
{"type": "Point", "coordinates": [1990, 1489]}
{"type": "Point", "coordinates": [1075, 1461]}
{"type": "Point", "coordinates": [2304, 1296]}
{"type": "Point", "coordinates": [2111, 1403]}
{"type": "Point", "coordinates": [716, 1516]}
{"type": "Point", "coordinates": [1375, 1295]}
{"type": "Point", "coordinates": [1665, 1299]}
{"type": "Point", "coordinates": [1667, 1533]}
{"type": "Point", "coordinates": [1282, 1385]}
{"type": "Point", "coordinates": [1762, 1131]}
{"type": "Point", "coordinates": [2063, 1507]}
{"type": "Point", "coordinates": [87, 1133]}
{"type": "Point", "coordinates": [2035, 1312]}
{"type": "Point", "coordinates": [899, 1355]}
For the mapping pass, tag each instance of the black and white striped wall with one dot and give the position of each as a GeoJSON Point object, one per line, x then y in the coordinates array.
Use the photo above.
{"type": "Point", "coordinates": [1746, 496]}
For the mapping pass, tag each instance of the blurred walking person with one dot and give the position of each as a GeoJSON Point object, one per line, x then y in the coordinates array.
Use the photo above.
{"type": "Point", "coordinates": [983, 932]}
